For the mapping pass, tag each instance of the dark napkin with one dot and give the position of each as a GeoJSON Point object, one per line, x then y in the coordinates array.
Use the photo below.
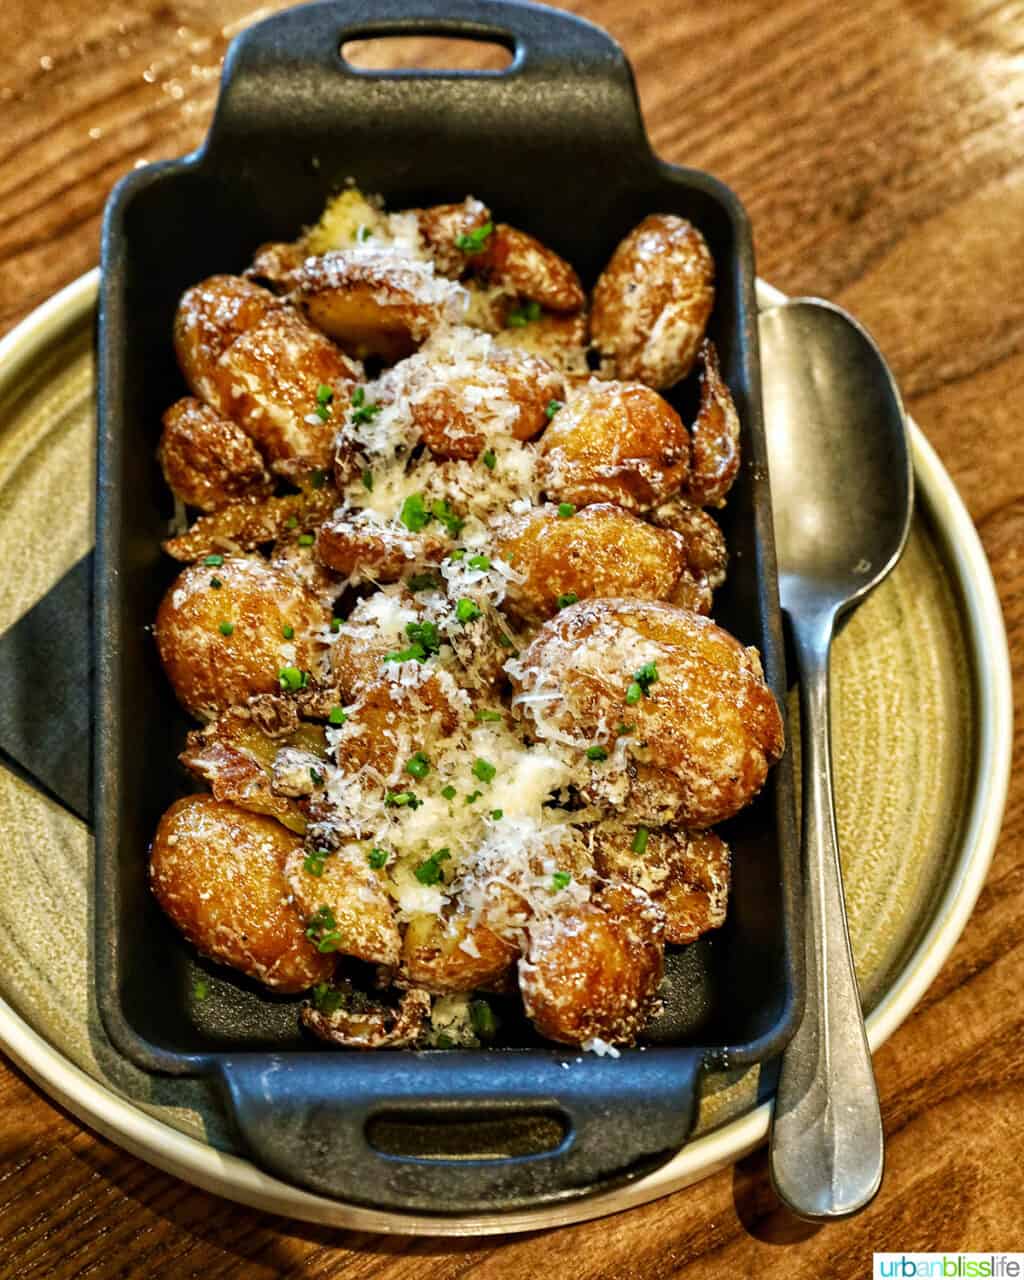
{"type": "Point", "coordinates": [46, 671]}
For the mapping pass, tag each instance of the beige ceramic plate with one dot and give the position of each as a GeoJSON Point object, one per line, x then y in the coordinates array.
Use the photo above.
{"type": "Point", "coordinates": [922, 723]}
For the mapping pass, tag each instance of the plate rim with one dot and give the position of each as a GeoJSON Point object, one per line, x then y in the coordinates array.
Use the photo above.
{"type": "Point", "coordinates": [235, 1178]}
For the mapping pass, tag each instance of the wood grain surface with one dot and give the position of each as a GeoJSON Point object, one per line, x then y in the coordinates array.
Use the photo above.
{"type": "Point", "coordinates": [877, 146]}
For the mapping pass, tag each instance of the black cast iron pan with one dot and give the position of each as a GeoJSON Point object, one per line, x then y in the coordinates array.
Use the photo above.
{"type": "Point", "coordinates": [556, 145]}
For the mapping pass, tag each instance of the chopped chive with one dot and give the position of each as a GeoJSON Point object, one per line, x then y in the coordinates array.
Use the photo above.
{"type": "Point", "coordinates": [441, 511]}
{"type": "Point", "coordinates": [292, 678]}
{"type": "Point", "coordinates": [457, 555]}
{"type": "Point", "coordinates": [314, 861]}
{"type": "Point", "coordinates": [226, 628]}
{"type": "Point", "coordinates": [484, 770]}
{"type": "Point", "coordinates": [402, 800]}
{"type": "Point", "coordinates": [633, 693]}
{"type": "Point", "coordinates": [324, 394]}
{"type": "Point", "coordinates": [216, 583]}
{"type": "Point", "coordinates": [479, 562]}
{"type": "Point", "coordinates": [291, 522]}
{"type": "Point", "coordinates": [414, 653]}
{"type": "Point", "coordinates": [377, 858]}
{"type": "Point", "coordinates": [560, 880]}
{"type": "Point", "coordinates": [639, 844]}
{"type": "Point", "coordinates": [322, 930]}
{"type": "Point", "coordinates": [317, 776]}
{"type": "Point", "coordinates": [569, 598]}
{"type": "Point", "coordinates": [448, 792]}
{"type": "Point", "coordinates": [368, 481]}
{"type": "Point", "coordinates": [474, 241]}
{"type": "Point", "coordinates": [625, 729]}
{"type": "Point", "coordinates": [524, 315]}
{"type": "Point", "coordinates": [318, 477]}
{"type": "Point", "coordinates": [566, 509]}
{"type": "Point", "coordinates": [496, 814]}
{"type": "Point", "coordinates": [486, 714]}
{"type": "Point", "coordinates": [336, 716]}
{"type": "Point", "coordinates": [418, 765]}
{"type": "Point", "coordinates": [645, 677]}
{"type": "Point", "coordinates": [466, 610]}
{"type": "Point", "coordinates": [597, 753]}
{"type": "Point", "coordinates": [429, 870]}
{"type": "Point", "coordinates": [306, 539]}
{"type": "Point", "coordinates": [473, 797]}
{"type": "Point", "coordinates": [414, 514]}
{"type": "Point", "coordinates": [553, 408]}
{"type": "Point", "coordinates": [490, 460]}
{"type": "Point", "coordinates": [424, 634]}
{"type": "Point", "coordinates": [326, 999]}
{"type": "Point", "coordinates": [336, 624]}
{"type": "Point", "coordinates": [288, 632]}
{"type": "Point", "coordinates": [214, 561]}
{"type": "Point", "coordinates": [482, 1019]}
{"type": "Point", "coordinates": [422, 582]}
{"type": "Point", "coordinates": [200, 988]}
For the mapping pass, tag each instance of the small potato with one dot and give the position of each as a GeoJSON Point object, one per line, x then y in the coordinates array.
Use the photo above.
{"type": "Point", "coordinates": [361, 549]}
{"type": "Point", "coordinates": [686, 873]}
{"type": "Point", "coordinates": [443, 226]}
{"type": "Point", "coordinates": [220, 645]}
{"type": "Point", "coordinates": [235, 757]}
{"type": "Point", "coordinates": [375, 627]}
{"type": "Point", "coordinates": [462, 404]}
{"type": "Point", "coordinates": [393, 719]}
{"type": "Point", "coordinates": [615, 442]}
{"type": "Point", "coordinates": [357, 898]}
{"type": "Point", "coordinates": [454, 955]}
{"type": "Point", "coordinates": [356, 1021]}
{"type": "Point", "coordinates": [652, 302]}
{"type": "Point", "coordinates": [592, 972]}
{"type": "Point", "coordinates": [705, 726]}
{"type": "Point", "coordinates": [600, 551]}
{"type": "Point", "coordinates": [716, 436]}
{"type": "Point", "coordinates": [375, 303]}
{"type": "Point", "coordinates": [217, 872]}
{"type": "Point", "coordinates": [207, 460]}
{"type": "Point", "coordinates": [247, 525]}
{"type": "Point", "coordinates": [706, 552]}
{"type": "Point", "coordinates": [210, 316]}
{"type": "Point", "coordinates": [520, 263]}
{"type": "Point", "coordinates": [269, 380]}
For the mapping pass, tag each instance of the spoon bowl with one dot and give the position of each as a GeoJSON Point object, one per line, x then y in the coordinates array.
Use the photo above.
{"type": "Point", "coordinates": [842, 497]}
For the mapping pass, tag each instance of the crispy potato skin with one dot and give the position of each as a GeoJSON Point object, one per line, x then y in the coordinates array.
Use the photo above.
{"type": "Point", "coordinates": [651, 304]}
{"type": "Point", "coordinates": [615, 442]}
{"type": "Point", "coordinates": [210, 316]}
{"type": "Point", "coordinates": [210, 671]}
{"type": "Point", "coordinates": [600, 551]}
{"type": "Point", "coordinates": [358, 899]}
{"type": "Point", "coordinates": [686, 873]}
{"type": "Point", "coordinates": [440, 227]}
{"type": "Point", "coordinates": [527, 267]}
{"type": "Point", "coordinates": [378, 552]}
{"type": "Point", "coordinates": [705, 737]}
{"type": "Point", "coordinates": [217, 872]}
{"type": "Point", "coordinates": [391, 720]}
{"type": "Point", "coordinates": [207, 460]}
{"type": "Point", "coordinates": [372, 304]}
{"type": "Point", "coordinates": [716, 436]}
{"type": "Point", "coordinates": [267, 381]}
{"type": "Point", "coordinates": [434, 959]}
{"type": "Point", "coordinates": [448, 415]}
{"type": "Point", "coordinates": [593, 971]}
{"type": "Point", "coordinates": [247, 525]}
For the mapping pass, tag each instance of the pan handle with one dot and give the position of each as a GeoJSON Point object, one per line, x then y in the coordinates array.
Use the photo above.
{"type": "Point", "coordinates": [322, 1121]}
{"type": "Point", "coordinates": [568, 79]}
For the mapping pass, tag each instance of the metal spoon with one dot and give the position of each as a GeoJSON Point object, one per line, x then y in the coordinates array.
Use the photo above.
{"type": "Point", "coordinates": [842, 493]}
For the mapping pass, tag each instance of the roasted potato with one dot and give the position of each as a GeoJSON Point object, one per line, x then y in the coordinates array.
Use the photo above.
{"type": "Point", "coordinates": [375, 303]}
{"type": "Point", "coordinates": [705, 727]}
{"type": "Point", "coordinates": [706, 552]}
{"type": "Point", "coordinates": [651, 303]}
{"type": "Point", "coordinates": [364, 550]}
{"type": "Point", "coordinates": [615, 442]}
{"type": "Point", "coordinates": [521, 264]}
{"type": "Point", "coordinates": [356, 897]}
{"type": "Point", "coordinates": [453, 954]}
{"type": "Point", "coordinates": [221, 644]}
{"type": "Point", "coordinates": [208, 460]}
{"type": "Point", "coordinates": [686, 873]}
{"type": "Point", "coordinates": [716, 436]}
{"type": "Point", "coordinates": [463, 403]}
{"type": "Point", "coordinates": [217, 872]}
{"type": "Point", "coordinates": [375, 627]}
{"type": "Point", "coordinates": [210, 316]}
{"type": "Point", "coordinates": [448, 231]}
{"type": "Point", "coordinates": [235, 756]}
{"type": "Point", "coordinates": [269, 381]}
{"type": "Point", "coordinates": [559, 338]}
{"type": "Point", "coordinates": [600, 551]}
{"type": "Point", "coordinates": [246, 525]}
{"type": "Point", "coordinates": [356, 1021]}
{"type": "Point", "coordinates": [592, 971]}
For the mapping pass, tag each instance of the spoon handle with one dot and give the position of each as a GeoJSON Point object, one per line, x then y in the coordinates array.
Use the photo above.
{"type": "Point", "coordinates": [826, 1152]}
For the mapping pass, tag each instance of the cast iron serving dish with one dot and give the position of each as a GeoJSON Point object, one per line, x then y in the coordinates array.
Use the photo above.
{"type": "Point", "coordinates": [556, 144]}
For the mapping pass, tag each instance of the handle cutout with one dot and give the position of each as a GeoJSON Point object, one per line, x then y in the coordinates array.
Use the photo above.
{"type": "Point", "coordinates": [438, 54]}
{"type": "Point", "coordinates": [466, 1134]}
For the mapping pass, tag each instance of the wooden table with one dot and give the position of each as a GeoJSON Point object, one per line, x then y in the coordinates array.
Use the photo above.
{"type": "Point", "coordinates": [877, 146]}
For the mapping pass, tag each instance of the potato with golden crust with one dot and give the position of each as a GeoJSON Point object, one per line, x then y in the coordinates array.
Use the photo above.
{"type": "Point", "coordinates": [454, 954]}
{"type": "Point", "coordinates": [462, 403]}
{"type": "Point", "coordinates": [686, 873]}
{"type": "Point", "coordinates": [355, 895]}
{"type": "Point", "coordinates": [592, 971]}
{"type": "Point", "coordinates": [715, 434]}
{"type": "Point", "coordinates": [706, 552]}
{"type": "Point", "coordinates": [374, 628]}
{"type": "Point", "coordinates": [210, 316]}
{"type": "Point", "coordinates": [217, 871]}
{"type": "Point", "coordinates": [600, 551]}
{"type": "Point", "coordinates": [559, 338]}
{"type": "Point", "coordinates": [356, 1021]}
{"type": "Point", "coordinates": [235, 756]}
{"type": "Point", "coordinates": [451, 232]}
{"type": "Point", "coordinates": [359, 547]}
{"type": "Point", "coordinates": [375, 303]}
{"type": "Point", "coordinates": [705, 726]}
{"type": "Point", "coordinates": [651, 304]}
{"type": "Point", "coordinates": [524, 266]}
{"type": "Point", "coordinates": [208, 460]}
{"type": "Point", "coordinates": [222, 644]}
{"type": "Point", "coordinates": [246, 525]}
{"type": "Point", "coordinates": [269, 382]}
{"type": "Point", "coordinates": [615, 442]}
